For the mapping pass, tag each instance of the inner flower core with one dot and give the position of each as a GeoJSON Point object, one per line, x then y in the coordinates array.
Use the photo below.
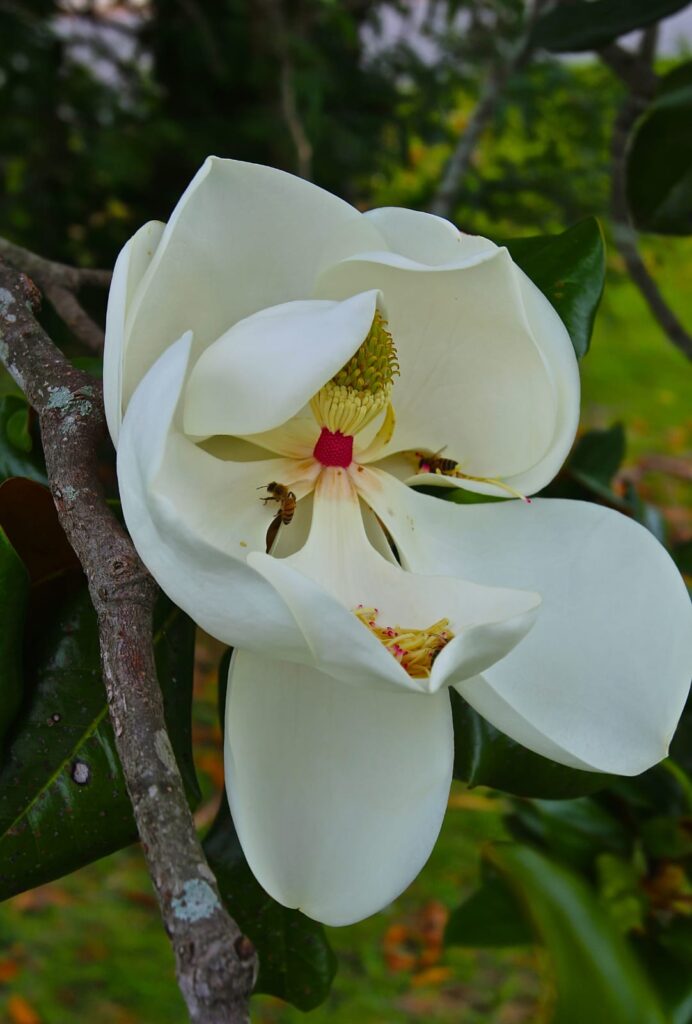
{"type": "Point", "coordinates": [360, 391]}
{"type": "Point", "coordinates": [414, 649]}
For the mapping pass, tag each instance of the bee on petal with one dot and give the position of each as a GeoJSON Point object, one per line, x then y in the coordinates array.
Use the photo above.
{"type": "Point", "coordinates": [285, 498]}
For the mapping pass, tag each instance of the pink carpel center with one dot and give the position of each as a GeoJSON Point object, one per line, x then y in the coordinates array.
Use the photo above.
{"type": "Point", "coordinates": [334, 449]}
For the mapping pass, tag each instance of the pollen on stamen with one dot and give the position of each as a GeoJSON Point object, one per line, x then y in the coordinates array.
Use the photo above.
{"type": "Point", "coordinates": [361, 389]}
{"type": "Point", "coordinates": [414, 649]}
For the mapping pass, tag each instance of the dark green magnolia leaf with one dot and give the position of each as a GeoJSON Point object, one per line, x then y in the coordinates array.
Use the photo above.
{"type": "Point", "coordinates": [659, 161]}
{"type": "Point", "coordinates": [682, 553]}
{"type": "Point", "coordinates": [489, 917]}
{"type": "Point", "coordinates": [597, 977]}
{"type": "Point", "coordinates": [588, 472]}
{"type": "Point", "coordinates": [483, 756]}
{"type": "Point", "coordinates": [296, 961]}
{"type": "Point", "coordinates": [20, 453]}
{"type": "Point", "coordinates": [576, 831]}
{"type": "Point", "coordinates": [570, 271]}
{"type": "Point", "coordinates": [63, 801]}
{"type": "Point", "coordinates": [590, 24]}
{"type": "Point", "coordinates": [598, 454]}
{"type": "Point", "coordinates": [14, 587]}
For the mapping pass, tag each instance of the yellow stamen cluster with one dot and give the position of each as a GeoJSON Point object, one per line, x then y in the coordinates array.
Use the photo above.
{"type": "Point", "coordinates": [359, 392]}
{"type": "Point", "coordinates": [414, 649]}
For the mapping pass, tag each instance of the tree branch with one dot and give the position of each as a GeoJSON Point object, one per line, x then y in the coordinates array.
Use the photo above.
{"type": "Point", "coordinates": [281, 44]}
{"type": "Point", "coordinates": [641, 83]}
{"type": "Point", "coordinates": [59, 283]}
{"type": "Point", "coordinates": [498, 78]}
{"type": "Point", "coordinates": [216, 965]}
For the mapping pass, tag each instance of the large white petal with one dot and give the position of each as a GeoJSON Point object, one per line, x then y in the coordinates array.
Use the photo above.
{"type": "Point", "coordinates": [602, 678]}
{"type": "Point", "coordinates": [337, 792]}
{"type": "Point", "coordinates": [193, 518]}
{"type": "Point", "coordinates": [242, 237]}
{"type": "Point", "coordinates": [267, 367]}
{"type": "Point", "coordinates": [485, 374]}
{"type": "Point", "coordinates": [338, 569]}
{"type": "Point", "coordinates": [425, 237]}
{"type": "Point", "coordinates": [129, 269]}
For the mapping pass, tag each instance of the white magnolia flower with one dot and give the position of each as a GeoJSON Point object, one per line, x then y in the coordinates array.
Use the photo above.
{"type": "Point", "coordinates": [283, 360]}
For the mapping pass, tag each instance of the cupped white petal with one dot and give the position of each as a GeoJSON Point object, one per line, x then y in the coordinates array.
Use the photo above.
{"type": "Point", "coordinates": [487, 374]}
{"type": "Point", "coordinates": [337, 792]}
{"type": "Point", "coordinates": [133, 260]}
{"type": "Point", "coordinates": [338, 570]}
{"type": "Point", "coordinates": [601, 680]}
{"type": "Point", "coordinates": [242, 237]}
{"type": "Point", "coordinates": [264, 369]}
{"type": "Point", "coordinates": [425, 237]}
{"type": "Point", "coordinates": [193, 517]}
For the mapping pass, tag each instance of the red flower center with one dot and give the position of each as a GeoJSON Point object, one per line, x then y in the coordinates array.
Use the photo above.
{"type": "Point", "coordinates": [334, 449]}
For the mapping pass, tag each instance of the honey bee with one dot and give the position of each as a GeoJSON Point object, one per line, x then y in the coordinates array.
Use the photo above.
{"type": "Point", "coordinates": [434, 464]}
{"type": "Point", "coordinates": [285, 498]}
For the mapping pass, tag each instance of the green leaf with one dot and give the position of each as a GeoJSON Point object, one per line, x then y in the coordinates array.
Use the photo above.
{"type": "Point", "coordinates": [19, 455]}
{"type": "Point", "coordinates": [659, 161]}
{"type": "Point", "coordinates": [297, 963]}
{"type": "Point", "coordinates": [590, 24]}
{"type": "Point", "coordinates": [570, 271]}
{"type": "Point", "coordinates": [483, 756]}
{"type": "Point", "coordinates": [14, 588]}
{"type": "Point", "coordinates": [597, 976]}
{"type": "Point", "coordinates": [17, 428]}
{"type": "Point", "coordinates": [670, 971]}
{"type": "Point", "coordinates": [489, 917]}
{"type": "Point", "coordinates": [575, 831]}
{"type": "Point", "coordinates": [63, 801]}
{"type": "Point", "coordinates": [598, 455]}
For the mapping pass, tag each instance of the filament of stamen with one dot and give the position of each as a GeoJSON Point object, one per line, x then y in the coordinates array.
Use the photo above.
{"type": "Point", "coordinates": [414, 649]}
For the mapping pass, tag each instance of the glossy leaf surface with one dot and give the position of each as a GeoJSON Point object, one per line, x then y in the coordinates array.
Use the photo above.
{"type": "Point", "coordinates": [296, 961]}
{"type": "Point", "coordinates": [484, 756]}
{"type": "Point", "coordinates": [659, 162]}
{"type": "Point", "coordinates": [62, 796]}
{"type": "Point", "coordinates": [570, 271]}
{"type": "Point", "coordinates": [14, 586]}
{"type": "Point", "coordinates": [20, 453]}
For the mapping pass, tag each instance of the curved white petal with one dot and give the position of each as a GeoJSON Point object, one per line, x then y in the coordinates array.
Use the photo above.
{"type": "Point", "coordinates": [133, 260]}
{"type": "Point", "coordinates": [193, 518]}
{"type": "Point", "coordinates": [338, 569]}
{"type": "Point", "coordinates": [488, 371]}
{"type": "Point", "coordinates": [601, 680]}
{"type": "Point", "coordinates": [267, 367]}
{"type": "Point", "coordinates": [424, 237]}
{"type": "Point", "coordinates": [337, 792]}
{"type": "Point", "coordinates": [242, 237]}
{"type": "Point", "coordinates": [296, 438]}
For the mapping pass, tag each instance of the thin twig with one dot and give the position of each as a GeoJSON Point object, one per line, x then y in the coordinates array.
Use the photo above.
{"type": "Point", "coordinates": [281, 43]}
{"type": "Point", "coordinates": [60, 283]}
{"type": "Point", "coordinates": [641, 83]}
{"type": "Point", "coordinates": [498, 78]}
{"type": "Point", "coordinates": [215, 963]}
